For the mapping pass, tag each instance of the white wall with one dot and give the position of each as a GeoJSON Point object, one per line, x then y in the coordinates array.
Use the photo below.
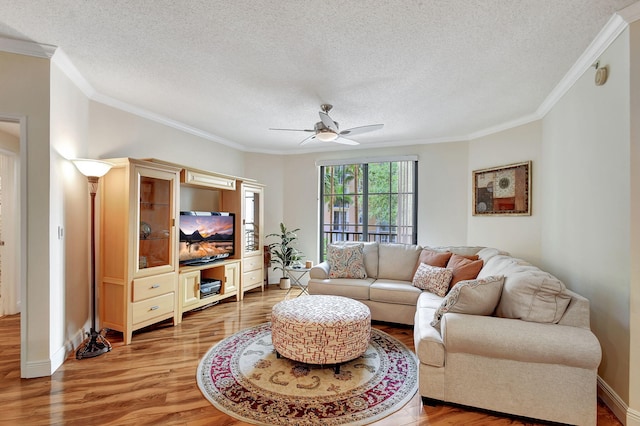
{"type": "Point", "coordinates": [519, 235]}
{"type": "Point", "coordinates": [114, 133]}
{"type": "Point", "coordinates": [269, 170]}
{"type": "Point", "coordinates": [585, 205]}
{"type": "Point", "coordinates": [292, 193]}
{"type": "Point", "coordinates": [69, 216]}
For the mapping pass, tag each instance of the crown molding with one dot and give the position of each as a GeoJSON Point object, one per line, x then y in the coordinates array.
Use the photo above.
{"type": "Point", "coordinates": [140, 112]}
{"type": "Point", "coordinates": [603, 40]}
{"type": "Point", "coordinates": [630, 13]}
{"type": "Point", "coordinates": [66, 66]}
{"type": "Point", "coordinates": [29, 48]}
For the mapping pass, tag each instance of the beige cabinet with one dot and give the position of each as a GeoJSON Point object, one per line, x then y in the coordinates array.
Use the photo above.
{"type": "Point", "coordinates": [227, 272]}
{"type": "Point", "coordinates": [138, 245]}
{"type": "Point", "coordinates": [248, 199]}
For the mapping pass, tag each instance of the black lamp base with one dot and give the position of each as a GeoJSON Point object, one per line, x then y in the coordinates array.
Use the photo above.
{"type": "Point", "coordinates": [94, 345]}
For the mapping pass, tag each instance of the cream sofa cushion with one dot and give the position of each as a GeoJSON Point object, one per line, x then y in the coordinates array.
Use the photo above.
{"type": "Point", "coordinates": [529, 293]}
{"type": "Point", "coordinates": [392, 291]}
{"type": "Point", "coordinates": [397, 261]}
{"type": "Point", "coordinates": [427, 340]}
{"type": "Point", "coordinates": [347, 287]}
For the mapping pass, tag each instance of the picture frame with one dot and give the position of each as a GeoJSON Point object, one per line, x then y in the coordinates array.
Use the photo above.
{"type": "Point", "coordinates": [503, 190]}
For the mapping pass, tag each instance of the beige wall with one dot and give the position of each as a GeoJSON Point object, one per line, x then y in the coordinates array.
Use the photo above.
{"type": "Point", "coordinates": [9, 142]}
{"type": "Point", "coordinates": [24, 92]}
{"type": "Point", "coordinates": [585, 205]}
{"type": "Point", "coordinates": [511, 146]}
{"type": "Point", "coordinates": [634, 252]}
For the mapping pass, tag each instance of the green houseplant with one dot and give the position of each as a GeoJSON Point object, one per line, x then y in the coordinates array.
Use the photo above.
{"type": "Point", "coordinates": [283, 251]}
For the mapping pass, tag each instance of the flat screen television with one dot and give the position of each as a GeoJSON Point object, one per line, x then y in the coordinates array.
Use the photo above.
{"type": "Point", "coordinates": [206, 236]}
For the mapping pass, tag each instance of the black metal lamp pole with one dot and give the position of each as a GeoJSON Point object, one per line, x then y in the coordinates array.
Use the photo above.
{"type": "Point", "coordinates": [95, 344]}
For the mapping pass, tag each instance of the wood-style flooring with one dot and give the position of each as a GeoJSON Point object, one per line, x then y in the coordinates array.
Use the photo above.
{"type": "Point", "coordinates": [152, 381]}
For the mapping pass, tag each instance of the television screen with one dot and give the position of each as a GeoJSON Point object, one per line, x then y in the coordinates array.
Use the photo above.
{"type": "Point", "coordinates": [206, 236]}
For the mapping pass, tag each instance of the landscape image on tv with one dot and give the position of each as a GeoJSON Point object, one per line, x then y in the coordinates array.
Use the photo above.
{"type": "Point", "coordinates": [205, 236]}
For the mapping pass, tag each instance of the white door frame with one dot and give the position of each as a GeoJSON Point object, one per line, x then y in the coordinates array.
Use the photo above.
{"type": "Point", "coordinates": [21, 186]}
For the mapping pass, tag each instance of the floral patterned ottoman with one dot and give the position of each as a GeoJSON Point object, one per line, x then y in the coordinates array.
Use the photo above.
{"type": "Point", "coordinates": [321, 329]}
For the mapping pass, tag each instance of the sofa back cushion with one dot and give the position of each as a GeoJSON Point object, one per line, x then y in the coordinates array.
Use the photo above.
{"type": "Point", "coordinates": [529, 293]}
{"type": "Point", "coordinates": [397, 261]}
{"type": "Point", "coordinates": [371, 259]}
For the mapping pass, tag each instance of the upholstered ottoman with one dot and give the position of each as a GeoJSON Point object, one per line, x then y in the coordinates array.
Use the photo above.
{"type": "Point", "coordinates": [321, 329]}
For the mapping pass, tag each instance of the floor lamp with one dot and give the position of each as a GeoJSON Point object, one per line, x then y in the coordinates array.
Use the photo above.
{"type": "Point", "coordinates": [95, 344]}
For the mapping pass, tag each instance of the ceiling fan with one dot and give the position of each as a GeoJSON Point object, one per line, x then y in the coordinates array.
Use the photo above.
{"type": "Point", "coordinates": [327, 130]}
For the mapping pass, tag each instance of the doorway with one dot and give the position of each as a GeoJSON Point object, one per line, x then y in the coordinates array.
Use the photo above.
{"type": "Point", "coordinates": [10, 300]}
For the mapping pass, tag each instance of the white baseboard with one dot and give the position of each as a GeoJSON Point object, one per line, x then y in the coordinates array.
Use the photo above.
{"type": "Point", "coordinates": [45, 368]}
{"type": "Point", "coordinates": [33, 369]}
{"type": "Point", "coordinates": [633, 418]}
{"type": "Point", "coordinates": [620, 409]}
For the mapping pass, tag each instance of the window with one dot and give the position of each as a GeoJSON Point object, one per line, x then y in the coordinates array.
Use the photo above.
{"type": "Point", "coordinates": [368, 201]}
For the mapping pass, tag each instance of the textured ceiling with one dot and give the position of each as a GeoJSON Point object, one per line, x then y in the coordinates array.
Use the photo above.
{"type": "Point", "coordinates": [429, 70]}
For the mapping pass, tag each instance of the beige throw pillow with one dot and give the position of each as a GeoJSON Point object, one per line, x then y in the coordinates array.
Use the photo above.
{"type": "Point", "coordinates": [433, 279]}
{"type": "Point", "coordinates": [346, 261]}
{"type": "Point", "coordinates": [474, 297]}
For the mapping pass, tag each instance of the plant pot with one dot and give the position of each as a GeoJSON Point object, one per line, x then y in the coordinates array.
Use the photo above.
{"type": "Point", "coordinates": [285, 283]}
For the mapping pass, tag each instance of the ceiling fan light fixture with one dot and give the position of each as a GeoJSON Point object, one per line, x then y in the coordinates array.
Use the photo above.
{"type": "Point", "coordinates": [327, 136]}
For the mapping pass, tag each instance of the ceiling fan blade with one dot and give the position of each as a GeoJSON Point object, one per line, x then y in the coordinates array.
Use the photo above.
{"type": "Point", "coordinates": [345, 141]}
{"type": "Point", "coordinates": [361, 129]}
{"type": "Point", "coordinates": [328, 122]}
{"type": "Point", "coordinates": [307, 140]}
{"type": "Point", "coordinates": [293, 130]}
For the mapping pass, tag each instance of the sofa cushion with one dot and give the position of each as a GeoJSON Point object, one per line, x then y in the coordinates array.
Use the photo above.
{"type": "Point", "coordinates": [370, 253]}
{"type": "Point", "coordinates": [463, 268]}
{"type": "Point", "coordinates": [348, 287]}
{"type": "Point", "coordinates": [429, 300]}
{"type": "Point", "coordinates": [433, 279]}
{"type": "Point", "coordinates": [427, 340]}
{"type": "Point", "coordinates": [346, 261]}
{"type": "Point", "coordinates": [397, 261]}
{"type": "Point", "coordinates": [392, 291]}
{"type": "Point", "coordinates": [533, 295]}
{"type": "Point", "coordinates": [475, 297]}
{"type": "Point", "coordinates": [434, 258]}
{"type": "Point", "coordinates": [529, 293]}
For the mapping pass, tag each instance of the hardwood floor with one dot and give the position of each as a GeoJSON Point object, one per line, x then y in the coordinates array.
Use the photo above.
{"type": "Point", "coordinates": [152, 381]}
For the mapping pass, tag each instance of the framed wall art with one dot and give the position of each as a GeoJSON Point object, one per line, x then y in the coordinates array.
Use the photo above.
{"type": "Point", "coordinates": [502, 191]}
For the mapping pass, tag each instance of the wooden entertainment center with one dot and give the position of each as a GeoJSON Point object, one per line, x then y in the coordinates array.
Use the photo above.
{"type": "Point", "coordinates": [141, 281]}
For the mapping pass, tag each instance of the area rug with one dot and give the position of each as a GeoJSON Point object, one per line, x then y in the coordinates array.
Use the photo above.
{"type": "Point", "coordinates": [242, 377]}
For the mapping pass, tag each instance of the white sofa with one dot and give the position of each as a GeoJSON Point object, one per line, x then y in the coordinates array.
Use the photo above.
{"type": "Point", "coordinates": [534, 356]}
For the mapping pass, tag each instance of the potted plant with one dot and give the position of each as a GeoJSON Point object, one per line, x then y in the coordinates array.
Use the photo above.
{"type": "Point", "coordinates": [284, 253]}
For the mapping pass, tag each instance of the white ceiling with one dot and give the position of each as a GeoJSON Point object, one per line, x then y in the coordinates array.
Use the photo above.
{"type": "Point", "coordinates": [430, 70]}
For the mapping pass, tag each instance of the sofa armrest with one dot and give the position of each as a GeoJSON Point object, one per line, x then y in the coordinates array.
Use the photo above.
{"type": "Point", "coordinates": [320, 271]}
{"type": "Point", "coordinates": [520, 340]}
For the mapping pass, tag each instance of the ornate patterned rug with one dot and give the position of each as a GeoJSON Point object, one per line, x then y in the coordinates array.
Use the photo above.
{"type": "Point", "coordinates": [242, 377]}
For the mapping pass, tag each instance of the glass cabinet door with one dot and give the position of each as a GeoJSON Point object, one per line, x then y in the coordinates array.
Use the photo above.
{"type": "Point", "coordinates": [252, 220]}
{"type": "Point", "coordinates": [156, 224]}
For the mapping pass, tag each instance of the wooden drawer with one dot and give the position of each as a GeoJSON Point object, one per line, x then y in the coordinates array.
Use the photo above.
{"type": "Point", "coordinates": [144, 288]}
{"type": "Point", "coordinates": [251, 279]}
{"type": "Point", "coordinates": [152, 308]}
{"type": "Point", "coordinates": [252, 263]}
